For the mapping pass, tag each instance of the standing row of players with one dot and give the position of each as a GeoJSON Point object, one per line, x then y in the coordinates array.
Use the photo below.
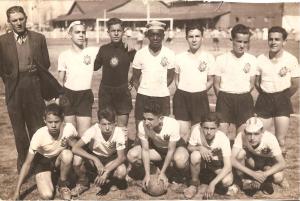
{"type": "Point", "coordinates": [154, 67]}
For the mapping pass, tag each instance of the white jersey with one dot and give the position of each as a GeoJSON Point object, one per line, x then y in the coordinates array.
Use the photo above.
{"type": "Point", "coordinates": [235, 72]}
{"type": "Point", "coordinates": [79, 68]}
{"type": "Point", "coordinates": [43, 143]}
{"type": "Point", "coordinates": [220, 141]}
{"type": "Point", "coordinates": [154, 71]}
{"type": "Point", "coordinates": [169, 132]}
{"type": "Point", "coordinates": [268, 147]}
{"type": "Point", "coordinates": [193, 70]}
{"type": "Point", "coordinates": [99, 146]}
{"type": "Point", "coordinates": [276, 74]}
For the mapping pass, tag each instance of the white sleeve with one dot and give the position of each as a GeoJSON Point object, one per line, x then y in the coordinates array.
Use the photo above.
{"type": "Point", "coordinates": [137, 61]}
{"type": "Point", "coordinates": [175, 135]}
{"type": "Point", "coordinates": [253, 70]}
{"type": "Point", "coordinates": [177, 64]}
{"type": "Point", "coordinates": [141, 131]}
{"type": "Point", "coordinates": [61, 63]}
{"type": "Point", "coordinates": [120, 140]}
{"type": "Point", "coordinates": [195, 135]}
{"type": "Point", "coordinates": [171, 61]}
{"type": "Point", "coordinates": [34, 143]}
{"type": "Point", "coordinates": [274, 145]}
{"type": "Point", "coordinates": [238, 142]}
{"type": "Point", "coordinates": [258, 68]}
{"type": "Point", "coordinates": [211, 64]}
{"type": "Point", "coordinates": [225, 146]}
{"type": "Point", "coordinates": [88, 135]}
{"type": "Point", "coordinates": [295, 68]}
{"type": "Point", "coordinates": [218, 66]}
{"type": "Point", "coordinates": [70, 131]}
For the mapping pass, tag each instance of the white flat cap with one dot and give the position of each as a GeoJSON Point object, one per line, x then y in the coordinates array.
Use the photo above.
{"type": "Point", "coordinates": [156, 25]}
{"type": "Point", "coordinates": [253, 125]}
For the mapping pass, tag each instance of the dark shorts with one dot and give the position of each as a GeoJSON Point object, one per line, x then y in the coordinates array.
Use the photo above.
{"type": "Point", "coordinates": [274, 104]}
{"type": "Point", "coordinates": [190, 106]}
{"type": "Point", "coordinates": [215, 40]}
{"type": "Point", "coordinates": [80, 102]}
{"type": "Point", "coordinates": [141, 100]}
{"type": "Point", "coordinates": [119, 98]}
{"type": "Point", "coordinates": [259, 162]}
{"type": "Point", "coordinates": [43, 164]}
{"type": "Point", "coordinates": [235, 108]}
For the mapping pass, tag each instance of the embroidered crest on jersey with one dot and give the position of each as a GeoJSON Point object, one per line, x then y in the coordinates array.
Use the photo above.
{"type": "Point", "coordinates": [283, 71]}
{"type": "Point", "coordinates": [166, 137]}
{"type": "Point", "coordinates": [266, 151]}
{"type": "Point", "coordinates": [164, 61]}
{"type": "Point", "coordinates": [202, 66]}
{"type": "Point", "coordinates": [114, 61]}
{"type": "Point", "coordinates": [247, 68]}
{"type": "Point", "coordinates": [87, 59]}
{"type": "Point", "coordinates": [112, 145]}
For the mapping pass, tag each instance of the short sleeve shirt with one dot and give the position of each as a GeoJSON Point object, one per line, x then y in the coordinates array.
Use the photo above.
{"type": "Point", "coordinates": [235, 72]}
{"type": "Point", "coordinates": [115, 60]}
{"type": "Point", "coordinates": [268, 147]}
{"type": "Point", "coordinates": [78, 67]}
{"type": "Point", "coordinates": [154, 71]}
{"type": "Point", "coordinates": [43, 143]}
{"type": "Point", "coordinates": [99, 146]}
{"type": "Point", "coordinates": [220, 141]}
{"type": "Point", "coordinates": [276, 74]}
{"type": "Point", "coordinates": [169, 132]}
{"type": "Point", "coordinates": [193, 70]}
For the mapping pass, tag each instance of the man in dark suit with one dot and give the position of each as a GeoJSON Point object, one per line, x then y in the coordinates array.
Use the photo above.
{"type": "Point", "coordinates": [22, 52]}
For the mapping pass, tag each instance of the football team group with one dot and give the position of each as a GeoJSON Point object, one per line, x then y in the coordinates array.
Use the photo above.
{"type": "Point", "coordinates": [189, 148]}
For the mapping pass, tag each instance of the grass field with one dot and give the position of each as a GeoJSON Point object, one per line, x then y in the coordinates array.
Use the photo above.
{"type": "Point", "coordinates": [8, 172]}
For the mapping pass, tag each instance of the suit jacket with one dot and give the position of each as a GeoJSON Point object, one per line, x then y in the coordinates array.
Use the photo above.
{"type": "Point", "coordinates": [9, 64]}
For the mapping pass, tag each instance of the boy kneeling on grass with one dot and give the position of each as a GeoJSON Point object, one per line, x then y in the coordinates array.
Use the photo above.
{"type": "Point", "coordinates": [106, 151]}
{"type": "Point", "coordinates": [258, 159]}
{"type": "Point", "coordinates": [210, 150]}
{"type": "Point", "coordinates": [49, 149]}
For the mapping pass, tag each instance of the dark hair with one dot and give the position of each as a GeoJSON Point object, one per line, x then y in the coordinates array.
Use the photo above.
{"type": "Point", "coordinates": [153, 108]}
{"type": "Point", "coordinates": [107, 113]}
{"type": "Point", "coordinates": [279, 30]}
{"type": "Point", "coordinates": [241, 29]}
{"type": "Point", "coordinates": [192, 27]}
{"type": "Point", "coordinates": [113, 21]}
{"type": "Point", "coordinates": [55, 110]}
{"type": "Point", "coordinates": [15, 9]}
{"type": "Point", "coordinates": [212, 117]}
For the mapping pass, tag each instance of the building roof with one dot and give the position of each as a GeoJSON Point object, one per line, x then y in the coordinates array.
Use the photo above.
{"type": "Point", "coordinates": [131, 9]}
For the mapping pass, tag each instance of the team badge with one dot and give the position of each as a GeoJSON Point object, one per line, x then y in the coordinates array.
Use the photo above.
{"type": "Point", "coordinates": [87, 60]}
{"type": "Point", "coordinates": [166, 137]}
{"type": "Point", "coordinates": [112, 145]}
{"type": "Point", "coordinates": [164, 61]}
{"type": "Point", "coordinates": [283, 71]}
{"type": "Point", "coordinates": [202, 66]}
{"type": "Point", "coordinates": [114, 61]}
{"type": "Point", "coordinates": [247, 68]}
{"type": "Point", "coordinates": [266, 151]}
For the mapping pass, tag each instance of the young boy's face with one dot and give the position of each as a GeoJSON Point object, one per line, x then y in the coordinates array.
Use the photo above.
{"type": "Point", "coordinates": [275, 42]}
{"type": "Point", "coordinates": [115, 33]}
{"type": "Point", "coordinates": [53, 123]}
{"type": "Point", "coordinates": [78, 35]}
{"type": "Point", "coordinates": [254, 138]}
{"type": "Point", "coordinates": [151, 121]}
{"type": "Point", "coordinates": [194, 39]}
{"type": "Point", "coordinates": [106, 126]}
{"type": "Point", "coordinates": [209, 130]}
{"type": "Point", "coordinates": [240, 44]}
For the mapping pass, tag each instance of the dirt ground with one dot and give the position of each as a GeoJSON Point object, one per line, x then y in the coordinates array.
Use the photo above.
{"type": "Point", "coordinates": [8, 172]}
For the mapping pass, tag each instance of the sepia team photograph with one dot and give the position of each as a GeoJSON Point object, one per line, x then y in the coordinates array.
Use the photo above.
{"type": "Point", "coordinates": [149, 100]}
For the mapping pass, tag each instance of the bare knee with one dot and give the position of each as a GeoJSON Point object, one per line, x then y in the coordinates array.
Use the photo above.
{"type": "Point", "coordinates": [181, 157]}
{"type": "Point", "coordinates": [227, 180]}
{"type": "Point", "coordinates": [195, 157]}
{"type": "Point", "coordinates": [66, 156]}
{"type": "Point", "coordinates": [134, 154]}
{"type": "Point", "coordinates": [46, 194]}
{"type": "Point", "coordinates": [120, 172]}
{"type": "Point", "coordinates": [278, 177]}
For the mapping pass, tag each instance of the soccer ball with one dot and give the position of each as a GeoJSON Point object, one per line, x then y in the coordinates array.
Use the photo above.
{"type": "Point", "coordinates": [155, 186]}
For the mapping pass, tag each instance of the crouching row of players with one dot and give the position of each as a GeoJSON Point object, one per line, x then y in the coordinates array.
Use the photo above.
{"type": "Point", "coordinates": [101, 151]}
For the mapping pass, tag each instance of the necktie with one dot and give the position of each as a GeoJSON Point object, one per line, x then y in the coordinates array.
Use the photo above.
{"type": "Point", "coordinates": [21, 39]}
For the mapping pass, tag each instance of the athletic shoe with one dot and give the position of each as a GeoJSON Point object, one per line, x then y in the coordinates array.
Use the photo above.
{"type": "Point", "coordinates": [78, 190]}
{"type": "Point", "coordinates": [267, 188]}
{"type": "Point", "coordinates": [65, 193]}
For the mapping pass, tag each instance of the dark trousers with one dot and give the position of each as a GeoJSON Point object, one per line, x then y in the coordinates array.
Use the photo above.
{"type": "Point", "coordinates": [25, 108]}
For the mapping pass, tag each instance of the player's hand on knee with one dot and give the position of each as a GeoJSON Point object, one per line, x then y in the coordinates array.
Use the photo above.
{"type": "Point", "coordinates": [205, 154]}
